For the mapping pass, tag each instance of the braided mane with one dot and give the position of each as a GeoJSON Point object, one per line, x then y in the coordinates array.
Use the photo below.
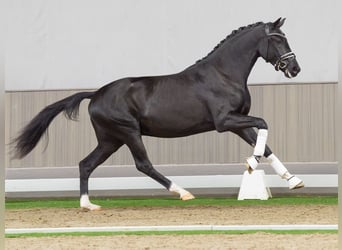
{"type": "Point", "coordinates": [234, 33]}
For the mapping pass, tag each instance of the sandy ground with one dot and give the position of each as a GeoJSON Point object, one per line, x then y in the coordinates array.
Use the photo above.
{"type": "Point", "coordinates": [262, 241]}
{"type": "Point", "coordinates": [203, 215]}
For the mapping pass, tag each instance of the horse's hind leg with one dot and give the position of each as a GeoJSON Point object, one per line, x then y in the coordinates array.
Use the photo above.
{"type": "Point", "coordinates": [250, 136]}
{"type": "Point", "coordinates": [88, 165]}
{"type": "Point", "coordinates": [144, 165]}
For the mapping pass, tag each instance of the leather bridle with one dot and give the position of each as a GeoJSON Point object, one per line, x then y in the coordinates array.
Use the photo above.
{"type": "Point", "coordinates": [282, 61]}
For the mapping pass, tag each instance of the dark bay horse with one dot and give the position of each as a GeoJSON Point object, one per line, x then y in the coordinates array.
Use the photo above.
{"type": "Point", "coordinates": [210, 95]}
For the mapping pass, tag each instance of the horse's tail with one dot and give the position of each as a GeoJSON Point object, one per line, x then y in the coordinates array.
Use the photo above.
{"type": "Point", "coordinates": [32, 132]}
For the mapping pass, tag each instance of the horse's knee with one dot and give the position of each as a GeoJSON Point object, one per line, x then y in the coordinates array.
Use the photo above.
{"type": "Point", "coordinates": [220, 127]}
{"type": "Point", "coordinates": [261, 124]}
{"type": "Point", "coordinates": [224, 125]}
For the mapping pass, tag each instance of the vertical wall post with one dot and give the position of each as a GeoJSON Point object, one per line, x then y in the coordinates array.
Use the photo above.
{"type": "Point", "coordinates": [338, 128]}
{"type": "Point", "coordinates": [2, 124]}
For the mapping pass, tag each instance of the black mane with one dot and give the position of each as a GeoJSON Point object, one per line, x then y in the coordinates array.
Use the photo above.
{"type": "Point", "coordinates": [234, 33]}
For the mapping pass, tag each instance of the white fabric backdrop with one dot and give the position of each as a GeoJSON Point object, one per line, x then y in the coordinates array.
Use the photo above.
{"type": "Point", "coordinates": [77, 44]}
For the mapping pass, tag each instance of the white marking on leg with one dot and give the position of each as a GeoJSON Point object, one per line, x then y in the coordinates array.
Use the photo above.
{"type": "Point", "coordinates": [85, 203]}
{"type": "Point", "coordinates": [278, 167]}
{"type": "Point", "coordinates": [260, 144]}
{"type": "Point", "coordinates": [295, 182]}
{"type": "Point", "coordinates": [184, 195]}
{"type": "Point", "coordinates": [259, 149]}
{"type": "Point", "coordinates": [252, 162]}
{"type": "Point", "coordinates": [281, 170]}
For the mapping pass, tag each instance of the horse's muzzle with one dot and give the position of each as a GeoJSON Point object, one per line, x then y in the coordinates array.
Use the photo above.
{"type": "Point", "coordinates": [292, 69]}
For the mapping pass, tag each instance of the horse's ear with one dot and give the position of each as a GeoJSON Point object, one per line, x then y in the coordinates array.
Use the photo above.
{"type": "Point", "coordinates": [280, 21]}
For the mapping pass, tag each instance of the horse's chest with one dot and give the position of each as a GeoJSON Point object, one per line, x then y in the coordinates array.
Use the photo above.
{"type": "Point", "coordinates": [238, 101]}
{"type": "Point", "coordinates": [245, 104]}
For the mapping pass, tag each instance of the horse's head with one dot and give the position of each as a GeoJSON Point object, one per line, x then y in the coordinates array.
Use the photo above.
{"type": "Point", "coordinates": [274, 48]}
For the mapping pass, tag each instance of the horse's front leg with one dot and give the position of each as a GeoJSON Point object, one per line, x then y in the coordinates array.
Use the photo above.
{"type": "Point", "coordinates": [250, 136]}
{"type": "Point", "coordinates": [236, 122]}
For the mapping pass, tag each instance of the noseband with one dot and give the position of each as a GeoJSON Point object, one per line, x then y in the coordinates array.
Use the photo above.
{"type": "Point", "coordinates": [282, 61]}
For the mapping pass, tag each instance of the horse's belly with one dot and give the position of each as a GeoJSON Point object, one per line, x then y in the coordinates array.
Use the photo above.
{"type": "Point", "coordinates": [177, 128]}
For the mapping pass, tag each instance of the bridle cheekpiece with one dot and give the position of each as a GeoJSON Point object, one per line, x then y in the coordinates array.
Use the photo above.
{"type": "Point", "coordinates": [282, 61]}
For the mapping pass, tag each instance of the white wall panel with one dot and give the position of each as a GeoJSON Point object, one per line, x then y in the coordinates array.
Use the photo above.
{"type": "Point", "coordinates": [300, 119]}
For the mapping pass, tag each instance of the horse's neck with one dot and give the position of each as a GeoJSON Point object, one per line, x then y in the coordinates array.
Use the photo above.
{"type": "Point", "coordinates": [237, 58]}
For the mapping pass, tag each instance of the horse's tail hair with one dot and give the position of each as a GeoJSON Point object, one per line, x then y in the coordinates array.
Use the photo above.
{"type": "Point", "coordinates": [37, 127]}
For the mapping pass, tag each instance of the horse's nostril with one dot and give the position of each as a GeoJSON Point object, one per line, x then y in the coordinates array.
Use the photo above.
{"type": "Point", "coordinates": [295, 69]}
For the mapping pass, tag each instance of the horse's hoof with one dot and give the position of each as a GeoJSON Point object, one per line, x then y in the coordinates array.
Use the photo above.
{"type": "Point", "coordinates": [299, 185]}
{"type": "Point", "coordinates": [187, 196]}
{"type": "Point", "coordinates": [252, 163]}
{"type": "Point", "coordinates": [91, 207]}
{"type": "Point", "coordinates": [96, 208]}
{"type": "Point", "coordinates": [295, 183]}
{"type": "Point", "coordinates": [249, 169]}
{"type": "Point", "coordinates": [86, 205]}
